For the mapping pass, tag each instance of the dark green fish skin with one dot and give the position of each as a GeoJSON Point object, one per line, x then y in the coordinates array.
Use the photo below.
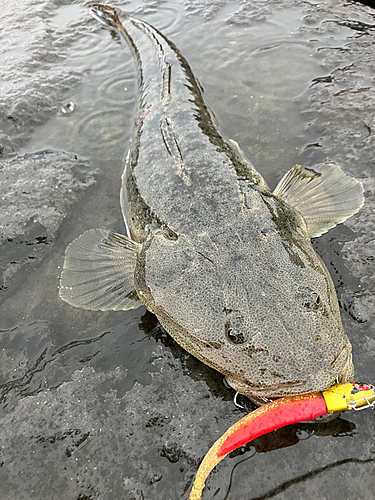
{"type": "Point", "coordinates": [226, 265]}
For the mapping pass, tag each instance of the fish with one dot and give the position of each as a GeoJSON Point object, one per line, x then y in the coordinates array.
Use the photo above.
{"type": "Point", "coordinates": [225, 264]}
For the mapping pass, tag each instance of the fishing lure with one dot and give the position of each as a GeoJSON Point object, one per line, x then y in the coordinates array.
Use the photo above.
{"type": "Point", "coordinates": [279, 413]}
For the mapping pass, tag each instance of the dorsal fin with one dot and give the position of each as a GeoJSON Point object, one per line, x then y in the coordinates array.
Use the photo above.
{"type": "Point", "coordinates": [323, 195]}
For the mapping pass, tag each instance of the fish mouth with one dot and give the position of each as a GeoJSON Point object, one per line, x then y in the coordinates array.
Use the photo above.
{"type": "Point", "coordinates": [339, 371]}
{"type": "Point", "coordinates": [343, 366]}
{"type": "Point", "coordinates": [343, 359]}
{"type": "Point", "coordinates": [264, 395]}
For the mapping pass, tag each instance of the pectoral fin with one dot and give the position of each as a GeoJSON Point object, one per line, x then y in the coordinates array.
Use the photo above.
{"type": "Point", "coordinates": [323, 195]}
{"type": "Point", "coordinates": [98, 272]}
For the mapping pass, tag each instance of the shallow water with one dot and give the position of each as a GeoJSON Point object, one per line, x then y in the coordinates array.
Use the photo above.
{"type": "Point", "coordinates": [106, 405]}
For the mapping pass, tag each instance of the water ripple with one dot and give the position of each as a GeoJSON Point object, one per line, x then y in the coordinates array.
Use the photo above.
{"type": "Point", "coordinates": [104, 128]}
{"type": "Point", "coordinates": [118, 88]}
{"type": "Point", "coordinates": [166, 18]}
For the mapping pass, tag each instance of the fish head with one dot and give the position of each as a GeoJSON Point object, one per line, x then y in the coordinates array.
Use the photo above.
{"type": "Point", "coordinates": [255, 304]}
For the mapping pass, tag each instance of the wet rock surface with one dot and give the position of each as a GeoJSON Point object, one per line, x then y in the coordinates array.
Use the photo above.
{"type": "Point", "coordinates": [106, 405]}
{"type": "Point", "coordinates": [34, 198]}
{"type": "Point", "coordinates": [359, 256]}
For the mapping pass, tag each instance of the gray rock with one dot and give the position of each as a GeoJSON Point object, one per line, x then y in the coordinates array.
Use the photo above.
{"type": "Point", "coordinates": [44, 195]}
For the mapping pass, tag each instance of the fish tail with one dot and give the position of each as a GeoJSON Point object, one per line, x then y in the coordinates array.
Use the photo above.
{"type": "Point", "coordinates": [106, 14]}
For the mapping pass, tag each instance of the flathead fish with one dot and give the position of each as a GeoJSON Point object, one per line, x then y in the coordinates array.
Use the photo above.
{"type": "Point", "coordinates": [224, 263]}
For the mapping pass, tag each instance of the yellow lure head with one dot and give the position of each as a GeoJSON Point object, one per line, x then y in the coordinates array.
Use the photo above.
{"type": "Point", "coordinates": [349, 396]}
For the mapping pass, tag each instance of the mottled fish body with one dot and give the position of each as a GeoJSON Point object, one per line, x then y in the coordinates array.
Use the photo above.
{"type": "Point", "coordinates": [225, 264]}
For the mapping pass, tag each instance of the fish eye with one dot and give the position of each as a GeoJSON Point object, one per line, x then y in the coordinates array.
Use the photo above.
{"type": "Point", "coordinates": [315, 302]}
{"type": "Point", "coordinates": [234, 336]}
{"type": "Point", "coordinates": [231, 336]}
{"type": "Point", "coordinates": [310, 299]}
